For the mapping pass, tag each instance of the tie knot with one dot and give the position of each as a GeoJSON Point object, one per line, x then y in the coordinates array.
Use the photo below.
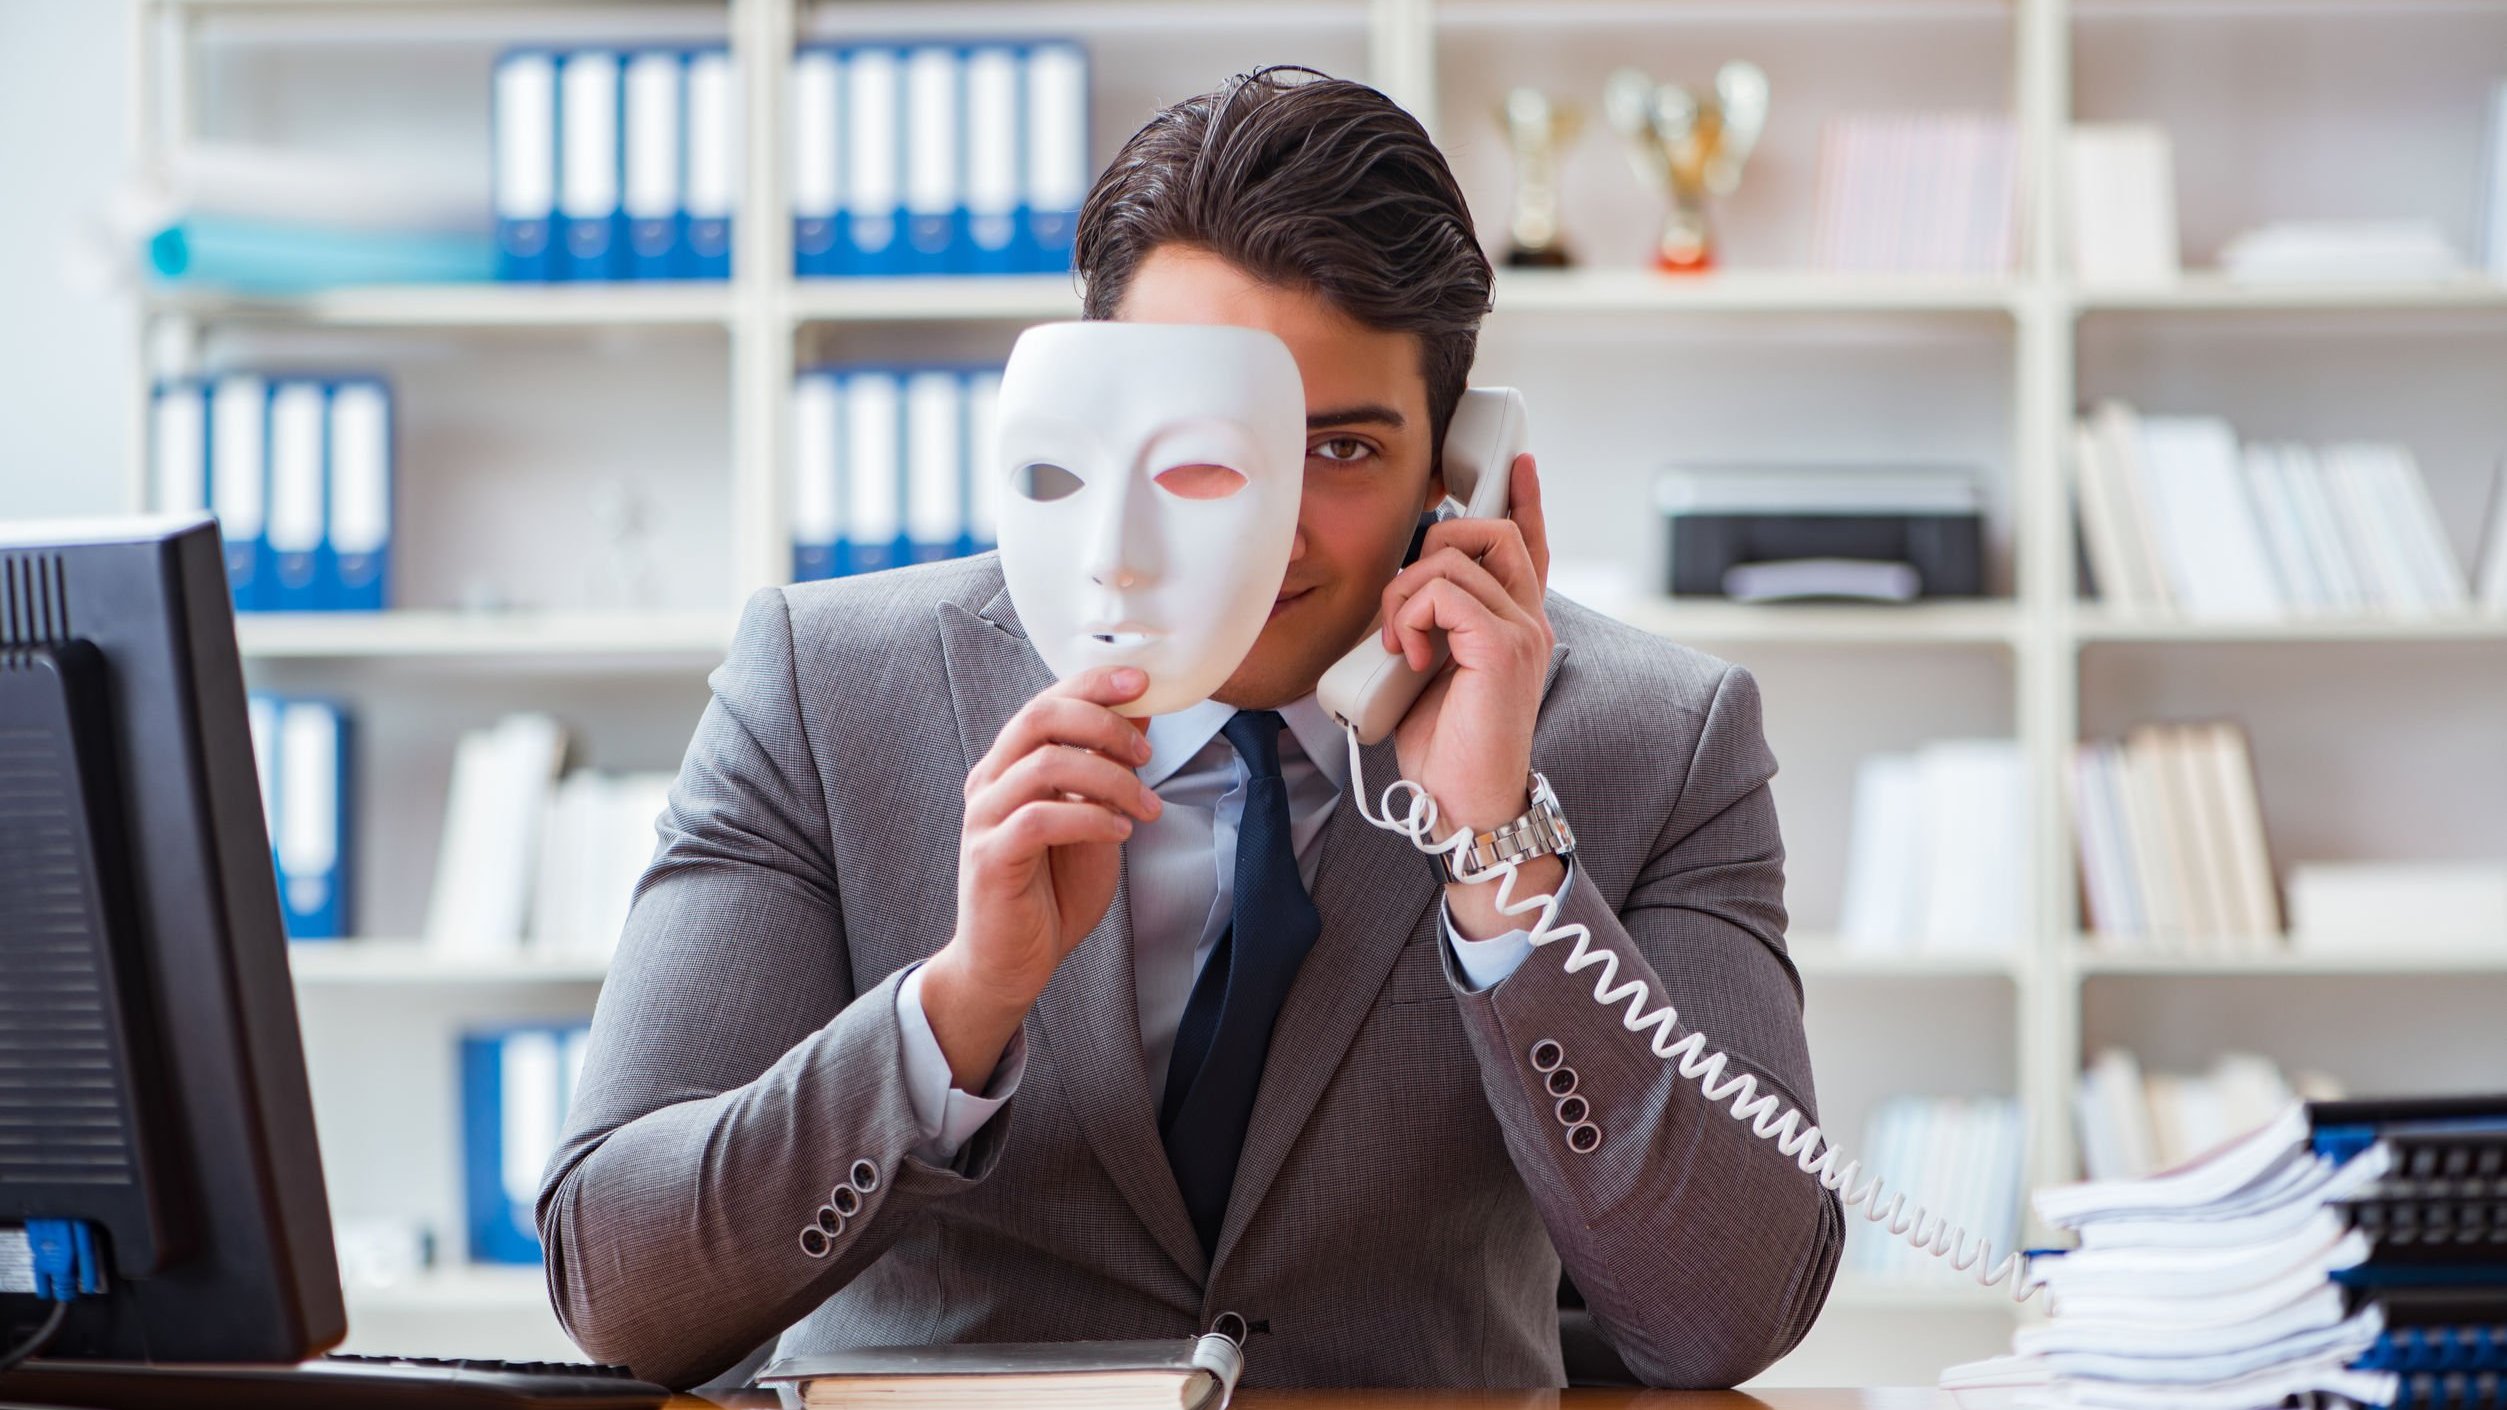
{"type": "Point", "coordinates": [1256, 737]}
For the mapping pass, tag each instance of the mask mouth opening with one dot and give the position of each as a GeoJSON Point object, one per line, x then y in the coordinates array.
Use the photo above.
{"type": "Point", "coordinates": [1123, 640]}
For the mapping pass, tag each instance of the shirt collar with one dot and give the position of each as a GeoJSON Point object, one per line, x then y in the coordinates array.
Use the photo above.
{"type": "Point", "coordinates": [1177, 737]}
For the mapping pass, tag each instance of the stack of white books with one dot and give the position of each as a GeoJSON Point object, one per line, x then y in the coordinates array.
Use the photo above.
{"type": "Point", "coordinates": [535, 860]}
{"type": "Point", "coordinates": [1961, 1158]}
{"type": "Point", "coordinates": [598, 839]}
{"type": "Point", "coordinates": [1939, 847]}
{"type": "Point", "coordinates": [2172, 847]}
{"type": "Point", "coordinates": [2134, 1123]}
{"type": "Point", "coordinates": [1917, 193]}
{"type": "Point", "coordinates": [2178, 518]}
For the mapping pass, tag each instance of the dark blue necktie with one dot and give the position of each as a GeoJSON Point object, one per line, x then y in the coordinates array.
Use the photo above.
{"type": "Point", "coordinates": [1226, 1029]}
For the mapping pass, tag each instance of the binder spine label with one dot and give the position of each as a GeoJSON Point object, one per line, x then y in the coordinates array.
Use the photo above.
{"type": "Point", "coordinates": [873, 468]}
{"type": "Point", "coordinates": [993, 156]}
{"type": "Point", "coordinates": [935, 506]}
{"type": "Point", "coordinates": [1057, 151]}
{"type": "Point", "coordinates": [817, 170]}
{"type": "Point", "coordinates": [935, 211]}
{"type": "Point", "coordinates": [815, 506]}
{"type": "Point", "coordinates": [588, 168]}
{"type": "Point", "coordinates": [297, 514]}
{"type": "Point", "coordinates": [654, 163]}
{"type": "Point", "coordinates": [239, 482]}
{"type": "Point", "coordinates": [873, 149]}
{"type": "Point", "coordinates": [525, 121]}
{"type": "Point", "coordinates": [361, 495]}
{"type": "Point", "coordinates": [713, 163]}
{"type": "Point", "coordinates": [178, 452]}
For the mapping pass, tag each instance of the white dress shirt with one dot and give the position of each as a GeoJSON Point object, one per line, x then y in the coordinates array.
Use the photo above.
{"type": "Point", "coordinates": [1182, 889]}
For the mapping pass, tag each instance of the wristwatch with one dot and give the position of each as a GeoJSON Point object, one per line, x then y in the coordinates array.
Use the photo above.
{"type": "Point", "coordinates": [1542, 831]}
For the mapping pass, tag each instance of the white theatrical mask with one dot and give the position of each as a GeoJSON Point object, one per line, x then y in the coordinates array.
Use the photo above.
{"type": "Point", "coordinates": [1150, 474]}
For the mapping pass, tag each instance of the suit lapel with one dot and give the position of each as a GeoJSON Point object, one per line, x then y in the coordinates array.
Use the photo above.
{"type": "Point", "coordinates": [1087, 1018]}
{"type": "Point", "coordinates": [1373, 888]}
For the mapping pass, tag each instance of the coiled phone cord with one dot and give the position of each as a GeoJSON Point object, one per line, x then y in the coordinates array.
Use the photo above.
{"type": "Point", "coordinates": [1768, 1117]}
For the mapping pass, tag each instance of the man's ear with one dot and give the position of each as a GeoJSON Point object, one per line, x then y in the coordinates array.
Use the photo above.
{"type": "Point", "coordinates": [1435, 491]}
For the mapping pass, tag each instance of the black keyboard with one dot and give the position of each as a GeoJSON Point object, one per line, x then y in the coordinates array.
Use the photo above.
{"type": "Point", "coordinates": [332, 1383]}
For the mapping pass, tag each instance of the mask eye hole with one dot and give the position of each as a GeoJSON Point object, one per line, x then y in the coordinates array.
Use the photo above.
{"type": "Point", "coordinates": [1200, 481]}
{"type": "Point", "coordinates": [1043, 480]}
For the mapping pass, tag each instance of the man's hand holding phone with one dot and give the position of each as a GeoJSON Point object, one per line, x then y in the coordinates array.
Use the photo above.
{"type": "Point", "coordinates": [1047, 810]}
{"type": "Point", "coordinates": [1468, 741]}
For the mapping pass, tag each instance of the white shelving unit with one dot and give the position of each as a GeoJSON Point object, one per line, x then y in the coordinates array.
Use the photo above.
{"type": "Point", "coordinates": [1626, 368]}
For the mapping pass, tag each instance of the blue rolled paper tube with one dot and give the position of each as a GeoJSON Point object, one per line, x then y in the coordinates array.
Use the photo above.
{"type": "Point", "coordinates": [261, 257]}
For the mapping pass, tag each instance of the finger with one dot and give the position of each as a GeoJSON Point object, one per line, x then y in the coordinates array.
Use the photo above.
{"type": "Point", "coordinates": [1523, 499]}
{"type": "Point", "coordinates": [1044, 824]}
{"type": "Point", "coordinates": [1059, 719]}
{"type": "Point", "coordinates": [1441, 605]}
{"type": "Point", "coordinates": [1105, 685]}
{"type": "Point", "coordinates": [1450, 564]}
{"type": "Point", "coordinates": [1061, 772]}
{"type": "Point", "coordinates": [1498, 546]}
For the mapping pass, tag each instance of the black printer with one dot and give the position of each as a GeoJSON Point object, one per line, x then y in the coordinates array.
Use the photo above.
{"type": "Point", "coordinates": [1773, 533]}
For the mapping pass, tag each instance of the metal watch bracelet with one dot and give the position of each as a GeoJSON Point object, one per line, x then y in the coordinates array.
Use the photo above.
{"type": "Point", "coordinates": [1541, 831]}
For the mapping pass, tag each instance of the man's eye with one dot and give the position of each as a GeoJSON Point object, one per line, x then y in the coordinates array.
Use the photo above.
{"type": "Point", "coordinates": [1345, 449]}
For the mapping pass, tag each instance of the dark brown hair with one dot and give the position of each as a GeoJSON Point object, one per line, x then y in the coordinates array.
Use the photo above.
{"type": "Point", "coordinates": [1308, 182]}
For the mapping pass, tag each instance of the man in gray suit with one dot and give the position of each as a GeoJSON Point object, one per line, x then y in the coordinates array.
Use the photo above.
{"type": "Point", "coordinates": [956, 1007]}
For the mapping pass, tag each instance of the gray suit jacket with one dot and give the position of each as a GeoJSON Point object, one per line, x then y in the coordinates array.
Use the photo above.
{"type": "Point", "coordinates": [1405, 1193]}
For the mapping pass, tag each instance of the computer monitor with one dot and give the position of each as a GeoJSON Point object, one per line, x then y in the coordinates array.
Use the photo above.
{"type": "Point", "coordinates": [152, 1077]}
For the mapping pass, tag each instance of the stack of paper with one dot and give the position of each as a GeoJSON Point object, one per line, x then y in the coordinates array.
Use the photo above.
{"type": "Point", "coordinates": [2134, 1124]}
{"type": "Point", "coordinates": [503, 778]}
{"type": "Point", "coordinates": [2177, 518]}
{"type": "Point", "coordinates": [1938, 850]}
{"type": "Point", "coordinates": [268, 221]}
{"type": "Point", "coordinates": [2172, 846]}
{"type": "Point", "coordinates": [1917, 193]}
{"type": "Point", "coordinates": [596, 843]}
{"type": "Point", "coordinates": [2340, 251]}
{"type": "Point", "coordinates": [2342, 1249]}
{"type": "Point", "coordinates": [1961, 1157]}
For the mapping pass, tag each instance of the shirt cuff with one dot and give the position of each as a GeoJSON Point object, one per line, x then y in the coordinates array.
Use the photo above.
{"type": "Point", "coordinates": [949, 1117]}
{"type": "Point", "coordinates": [1487, 962]}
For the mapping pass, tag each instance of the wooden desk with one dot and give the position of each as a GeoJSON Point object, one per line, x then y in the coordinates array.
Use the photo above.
{"type": "Point", "coordinates": [1878, 1398]}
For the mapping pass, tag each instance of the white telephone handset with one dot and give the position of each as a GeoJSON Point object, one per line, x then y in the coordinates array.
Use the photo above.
{"type": "Point", "coordinates": [1370, 689]}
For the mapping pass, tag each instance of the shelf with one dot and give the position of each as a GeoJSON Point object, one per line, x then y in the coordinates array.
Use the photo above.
{"type": "Point", "coordinates": [1642, 291]}
{"type": "Point", "coordinates": [1009, 298]}
{"type": "Point", "coordinates": [2097, 625]}
{"type": "Point", "coordinates": [1987, 622]}
{"type": "Point", "coordinates": [555, 637]}
{"type": "Point", "coordinates": [488, 306]}
{"type": "Point", "coordinates": [360, 963]}
{"type": "Point", "coordinates": [1822, 957]}
{"type": "Point", "coordinates": [2399, 960]}
{"type": "Point", "coordinates": [2211, 292]}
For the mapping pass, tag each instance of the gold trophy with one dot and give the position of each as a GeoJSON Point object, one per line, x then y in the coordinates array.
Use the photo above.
{"type": "Point", "coordinates": [1689, 148]}
{"type": "Point", "coordinates": [1536, 130]}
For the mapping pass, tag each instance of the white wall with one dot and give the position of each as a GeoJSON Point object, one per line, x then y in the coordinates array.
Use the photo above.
{"type": "Point", "coordinates": [65, 425]}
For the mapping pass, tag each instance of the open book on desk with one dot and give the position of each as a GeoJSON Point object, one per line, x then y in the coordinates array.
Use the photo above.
{"type": "Point", "coordinates": [1169, 1374]}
